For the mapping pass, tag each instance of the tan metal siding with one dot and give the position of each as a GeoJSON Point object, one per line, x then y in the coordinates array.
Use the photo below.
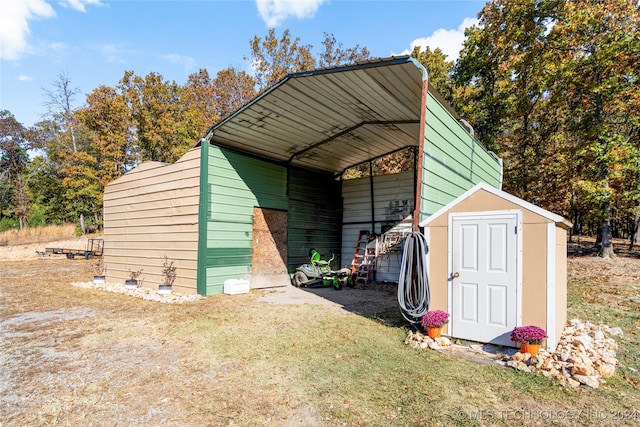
{"type": "Point", "coordinates": [151, 212]}
{"type": "Point", "coordinates": [534, 262]}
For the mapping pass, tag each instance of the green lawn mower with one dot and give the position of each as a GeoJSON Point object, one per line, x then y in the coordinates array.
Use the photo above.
{"type": "Point", "coordinates": [318, 273]}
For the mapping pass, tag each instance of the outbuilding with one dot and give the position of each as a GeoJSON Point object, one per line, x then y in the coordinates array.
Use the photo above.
{"type": "Point", "coordinates": [267, 183]}
{"type": "Point", "coordinates": [497, 262]}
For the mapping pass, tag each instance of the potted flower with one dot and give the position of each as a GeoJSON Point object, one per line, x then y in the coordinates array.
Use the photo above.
{"type": "Point", "coordinates": [132, 282]}
{"type": "Point", "coordinates": [169, 273]}
{"type": "Point", "coordinates": [99, 269]}
{"type": "Point", "coordinates": [529, 337]}
{"type": "Point", "coordinates": [434, 321]}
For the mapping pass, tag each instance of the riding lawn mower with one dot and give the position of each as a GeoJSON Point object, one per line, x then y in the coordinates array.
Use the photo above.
{"type": "Point", "coordinates": [318, 273]}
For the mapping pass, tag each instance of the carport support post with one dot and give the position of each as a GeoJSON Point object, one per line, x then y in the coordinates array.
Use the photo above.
{"type": "Point", "coordinates": [373, 213]}
{"type": "Point", "coordinates": [203, 208]}
{"type": "Point", "coordinates": [417, 205]}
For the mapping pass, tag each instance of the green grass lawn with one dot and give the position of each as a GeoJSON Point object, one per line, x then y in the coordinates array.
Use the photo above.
{"type": "Point", "coordinates": [358, 371]}
{"type": "Point", "coordinates": [234, 360]}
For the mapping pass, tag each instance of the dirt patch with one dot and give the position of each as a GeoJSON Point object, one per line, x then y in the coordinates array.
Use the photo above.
{"type": "Point", "coordinates": [76, 356]}
{"type": "Point", "coordinates": [595, 267]}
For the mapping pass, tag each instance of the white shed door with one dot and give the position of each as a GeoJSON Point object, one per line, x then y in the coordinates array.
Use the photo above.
{"type": "Point", "coordinates": [484, 277]}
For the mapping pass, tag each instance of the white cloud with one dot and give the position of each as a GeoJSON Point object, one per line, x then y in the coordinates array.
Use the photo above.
{"type": "Point", "coordinates": [14, 25]}
{"type": "Point", "coordinates": [79, 4]}
{"type": "Point", "coordinates": [24, 78]}
{"type": "Point", "coordinates": [58, 46]}
{"type": "Point", "coordinates": [449, 41]}
{"type": "Point", "coordinates": [188, 62]}
{"type": "Point", "coordinates": [113, 53]}
{"type": "Point", "coordinates": [14, 22]}
{"type": "Point", "coordinates": [274, 12]}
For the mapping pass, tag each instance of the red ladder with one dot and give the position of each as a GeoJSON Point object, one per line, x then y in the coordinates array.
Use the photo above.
{"type": "Point", "coordinates": [364, 259]}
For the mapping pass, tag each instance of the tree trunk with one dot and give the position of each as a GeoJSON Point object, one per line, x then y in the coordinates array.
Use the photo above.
{"type": "Point", "coordinates": [606, 240]}
{"type": "Point", "coordinates": [82, 225]}
{"type": "Point", "coordinates": [634, 230]}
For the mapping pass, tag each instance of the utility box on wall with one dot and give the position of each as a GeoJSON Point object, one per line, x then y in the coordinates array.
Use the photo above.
{"type": "Point", "coordinates": [497, 262]}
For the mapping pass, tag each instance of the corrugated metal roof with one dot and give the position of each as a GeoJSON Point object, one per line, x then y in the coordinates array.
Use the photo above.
{"type": "Point", "coordinates": [330, 119]}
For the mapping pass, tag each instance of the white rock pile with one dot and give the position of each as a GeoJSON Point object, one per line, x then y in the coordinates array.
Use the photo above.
{"type": "Point", "coordinates": [419, 340]}
{"type": "Point", "coordinates": [141, 292]}
{"type": "Point", "coordinates": [584, 356]}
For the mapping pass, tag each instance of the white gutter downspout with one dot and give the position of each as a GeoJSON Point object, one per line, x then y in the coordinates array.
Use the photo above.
{"type": "Point", "coordinates": [495, 156]}
{"type": "Point", "coordinates": [552, 339]}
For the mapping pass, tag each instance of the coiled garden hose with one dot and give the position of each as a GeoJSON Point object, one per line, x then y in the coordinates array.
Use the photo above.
{"type": "Point", "coordinates": [413, 285]}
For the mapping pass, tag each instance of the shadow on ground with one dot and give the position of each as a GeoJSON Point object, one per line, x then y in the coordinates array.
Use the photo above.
{"type": "Point", "coordinates": [377, 300]}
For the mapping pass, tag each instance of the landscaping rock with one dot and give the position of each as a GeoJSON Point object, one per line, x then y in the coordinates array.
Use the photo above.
{"type": "Point", "coordinates": [615, 331]}
{"type": "Point", "coordinates": [606, 370]}
{"type": "Point", "coordinates": [433, 345]}
{"type": "Point", "coordinates": [572, 383]}
{"type": "Point", "coordinates": [584, 355]}
{"type": "Point", "coordinates": [144, 293]}
{"type": "Point", "coordinates": [518, 357]}
{"type": "Point", "coordinates": [583, 340]}
{"type": "Point", "coordinates": [588, 380]}
{"type": "Point", "coordinates": [443, 341]}
{"type": "Point", "coordinates": [581, 369]}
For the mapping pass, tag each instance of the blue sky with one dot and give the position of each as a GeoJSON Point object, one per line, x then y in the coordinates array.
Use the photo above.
{"type": "Point", "coordinates": [93, 42]}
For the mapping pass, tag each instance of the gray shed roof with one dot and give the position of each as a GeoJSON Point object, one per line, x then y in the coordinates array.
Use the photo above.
{"type": "Point", "coordinates": [331, 119]}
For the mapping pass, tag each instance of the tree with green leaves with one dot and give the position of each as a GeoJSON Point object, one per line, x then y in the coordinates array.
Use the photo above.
{"type": "Point", "coordinates": [198, 97]}
{"type": "Point", "coordinates": [440, 70]}
{"type": "Point", "coordinates": [14, 143]}
{"type": "Point", "coordinates": [596, 51]}
{"type": "Point", "coordinates": [47, 193]}
{"type": "Point", "coordinates": [67, 144]}
{"type": "Point", "coordinates": [232, 89]}
{"type": "Point", "coordinates": [110, 124]}
{"type": "Point", "coordinates": [161, 131]}
{"type": "Point", "coordinates": [552, 86]}
{"type": "Point", "coordinates": [273, 58]}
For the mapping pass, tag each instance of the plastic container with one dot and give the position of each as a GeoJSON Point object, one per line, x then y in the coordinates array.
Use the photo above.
{"type": "Point", "coordinates": [236, 286]}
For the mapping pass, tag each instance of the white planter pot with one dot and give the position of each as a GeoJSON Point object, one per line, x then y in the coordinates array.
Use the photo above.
{"type": "Point", "coordinates": [130, 284]}
{"type": "Point", "coordinates": [164, 289]}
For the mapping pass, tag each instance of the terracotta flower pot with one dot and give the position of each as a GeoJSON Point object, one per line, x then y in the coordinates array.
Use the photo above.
{"type": "Point", "coordinates": [532, 349]}
{"type": "Point", "coordinates": [434, 332]}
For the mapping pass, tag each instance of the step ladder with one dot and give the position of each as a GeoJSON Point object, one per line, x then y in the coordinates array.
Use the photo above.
{"type": "Point", "coordinates": [364, 260]}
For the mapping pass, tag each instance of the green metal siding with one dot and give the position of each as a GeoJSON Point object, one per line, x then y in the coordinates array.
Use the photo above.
{"type": "Point", "coordinates": [235, 185]}
{"type": "Point", "coordinates": [453, 161]}
{"type": "Point", "coordinates": [315, 216]}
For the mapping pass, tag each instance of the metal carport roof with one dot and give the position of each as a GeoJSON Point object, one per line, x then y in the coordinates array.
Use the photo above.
{"type": "Point", "coordinates": [333, 118]}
